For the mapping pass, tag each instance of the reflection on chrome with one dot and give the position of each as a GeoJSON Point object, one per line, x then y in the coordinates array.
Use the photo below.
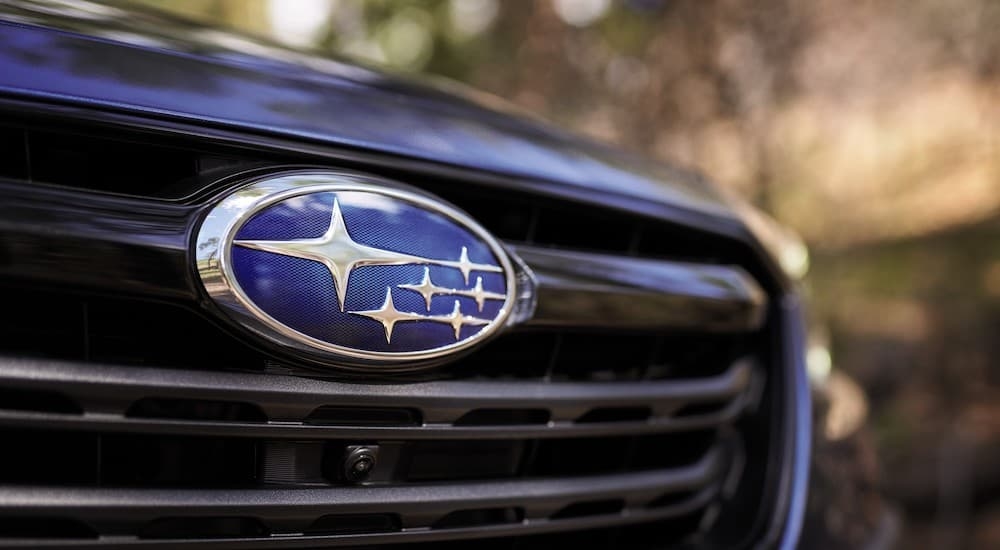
{"type": "Point", "coordinates": [388, 315]}
{"type": "Point", "coordinates": [429, 290]}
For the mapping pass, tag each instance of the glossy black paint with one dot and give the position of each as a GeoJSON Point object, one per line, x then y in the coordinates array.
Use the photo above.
{"type": "Point", "coordinates": [95, 242]}
{"type": "Point", "coordinates": [104, 243]}
{"type": "Point", "coordinates": [583, 289]}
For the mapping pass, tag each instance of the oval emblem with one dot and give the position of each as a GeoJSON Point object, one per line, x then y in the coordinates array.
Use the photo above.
{"type": "Point", "coordinates": [354, 268]}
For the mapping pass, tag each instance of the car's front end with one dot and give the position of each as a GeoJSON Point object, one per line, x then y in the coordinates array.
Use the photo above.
{"type": "Point", "coordinates": [639, 382]}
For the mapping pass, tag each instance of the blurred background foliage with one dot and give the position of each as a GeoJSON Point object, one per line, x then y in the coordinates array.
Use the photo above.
{"type": "Point", "coordinates": [868, 127]}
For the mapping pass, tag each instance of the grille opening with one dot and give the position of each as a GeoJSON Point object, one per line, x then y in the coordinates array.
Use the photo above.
{"type": "Point", "coordinates": [514, 221]}
{"type": "Point", "coordinates": [699, 409]}
{"type": "Point", "coordinates": [525, 217]}
{"type": "Point", "coordinates": [517, 355]}
{"type": "Point", "coordinates": [41, 325]}
{"type": "Point", "coordinates": [203, 528]}
{"type": "Point", "coordinates": [616, 414]}
{"type": "Point", "coordinates": [13, 154]}
{"type": "Point", "coordinates": [590, 508]}
{"type": "Point", "coordinates": [663, 533]}
{"type": "Point", "coordinates": [593, 538]}
{"type": "Point", "coordinates": [92, 162]}
{"type": "Point", "coordinates": [503, 417]}
{"type": "Point", "coordinates": [479, 544]}
{"type": "Point", "coordinates": [684, 354]}
{"type": "Point", "coordinates": [21, 399]}
{"type": "Point", "coordinates": [481, 516]}
{"type": "Point", "coordinates": [177, 461]}
{"type": "Point", "coordinates": [364, 416]}
{"type": "Point", "coordinates": [349, 524]}
{"type": "Point", "coordinates": [670, 499]}
{"type": "Point", "coordinates": [28, 527]}
{"type": "Point", "coordinates": [457, 460]}
{"type": "Point", "coordinates": [672, 450]}
{"type": "Point", "coordinates": [61, 325]}
{"type": "Point", "coordinates": [45, 457]}
{"type": "Point", "coordinates": [572, 457]}
{"type": "Point", "coordinates": [589, 229]}
{"type": "Point", "coordinates": [195, 409]}
{"type": "Point", "coordinates": [603, 356]}
{"type": "Point", "coordinates": [668, 241]}
{"type": "Point", "coordinates": [147, 333]}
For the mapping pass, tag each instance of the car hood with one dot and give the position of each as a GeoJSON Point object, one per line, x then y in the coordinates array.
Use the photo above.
{"type": "Point", "coordinates": [115, 58]}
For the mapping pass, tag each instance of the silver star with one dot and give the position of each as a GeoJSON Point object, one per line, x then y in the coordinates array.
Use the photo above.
{"type": "Point", "coordinates": [481, 295]}
{"type": "Point", "coordinates": [428, 290]}
{"type": "Point", "coordinates": [337, 251]}
{"type": "Point", "coordinates": [465, 266]}
{"type": "Point", "coordinates": [457, 320]}
{"type": "Point", "coordinates": [388, 315]}
{"type": "Point", "coordinates": [341, 254]}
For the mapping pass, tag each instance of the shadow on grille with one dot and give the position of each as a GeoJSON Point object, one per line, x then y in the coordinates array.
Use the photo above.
{"type": "Point", "coordinates": [590, 508]}
{"type": "Point", "coordinates": [363, 416]}
{"type": "Point", "coordinates": [176, 461]}
{"type": "Point", "coordinates": [349, 524]}
{"type": "Point", "coordinates": [60, 325]}
{"type": "Point", "coordinates": [37, 401]}
{"type": "Point", "coordinates": [462, 460]}
{"type": "Point", "coordinates": [195, 409]}
{"type": "Point", "coordinates": [503, 417]}
{"type": "Point", "coordinates": [203, 528]}
{"type": "Point", "coordinates": [28, 527]}
{"type": "Point", "coordinates": [482, 516]}
{"type": "Point", "coordinates": [40, 457]}
{"type": "Point", "coordinates": [615, 414]}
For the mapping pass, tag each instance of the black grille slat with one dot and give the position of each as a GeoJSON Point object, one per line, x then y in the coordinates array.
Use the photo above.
{"type": "Point", "coordinates": [284, 510]}
{"type": "Point", "coordinates": [661, 521]}
{"type": "Point", "coordinates": [586, 289]}
{"type": "Point", "coordinates": [290, 403]}
{"type": "Point", "coordinates": [74, 238]}
{"type": "Point", "coordinates": [111, 424]}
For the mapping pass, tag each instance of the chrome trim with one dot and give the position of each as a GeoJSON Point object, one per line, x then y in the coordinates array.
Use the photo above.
{"type": "Point", "coordinates": [215, 240]}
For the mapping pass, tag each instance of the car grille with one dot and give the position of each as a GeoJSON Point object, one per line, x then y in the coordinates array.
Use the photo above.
{"type": "Point", "coordinates": [130, 416]}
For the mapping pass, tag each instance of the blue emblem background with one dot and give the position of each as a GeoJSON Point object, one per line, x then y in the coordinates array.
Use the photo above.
{"type": "Point", "coordinates": [301, 293]}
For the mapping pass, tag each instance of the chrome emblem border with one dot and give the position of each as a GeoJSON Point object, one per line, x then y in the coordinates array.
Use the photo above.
{"type": "Point", "coordinates": [215, 239]}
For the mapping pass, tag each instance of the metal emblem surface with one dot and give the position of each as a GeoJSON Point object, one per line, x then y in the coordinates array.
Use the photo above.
{"type": "Point", "coordinates": [354, 269]}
